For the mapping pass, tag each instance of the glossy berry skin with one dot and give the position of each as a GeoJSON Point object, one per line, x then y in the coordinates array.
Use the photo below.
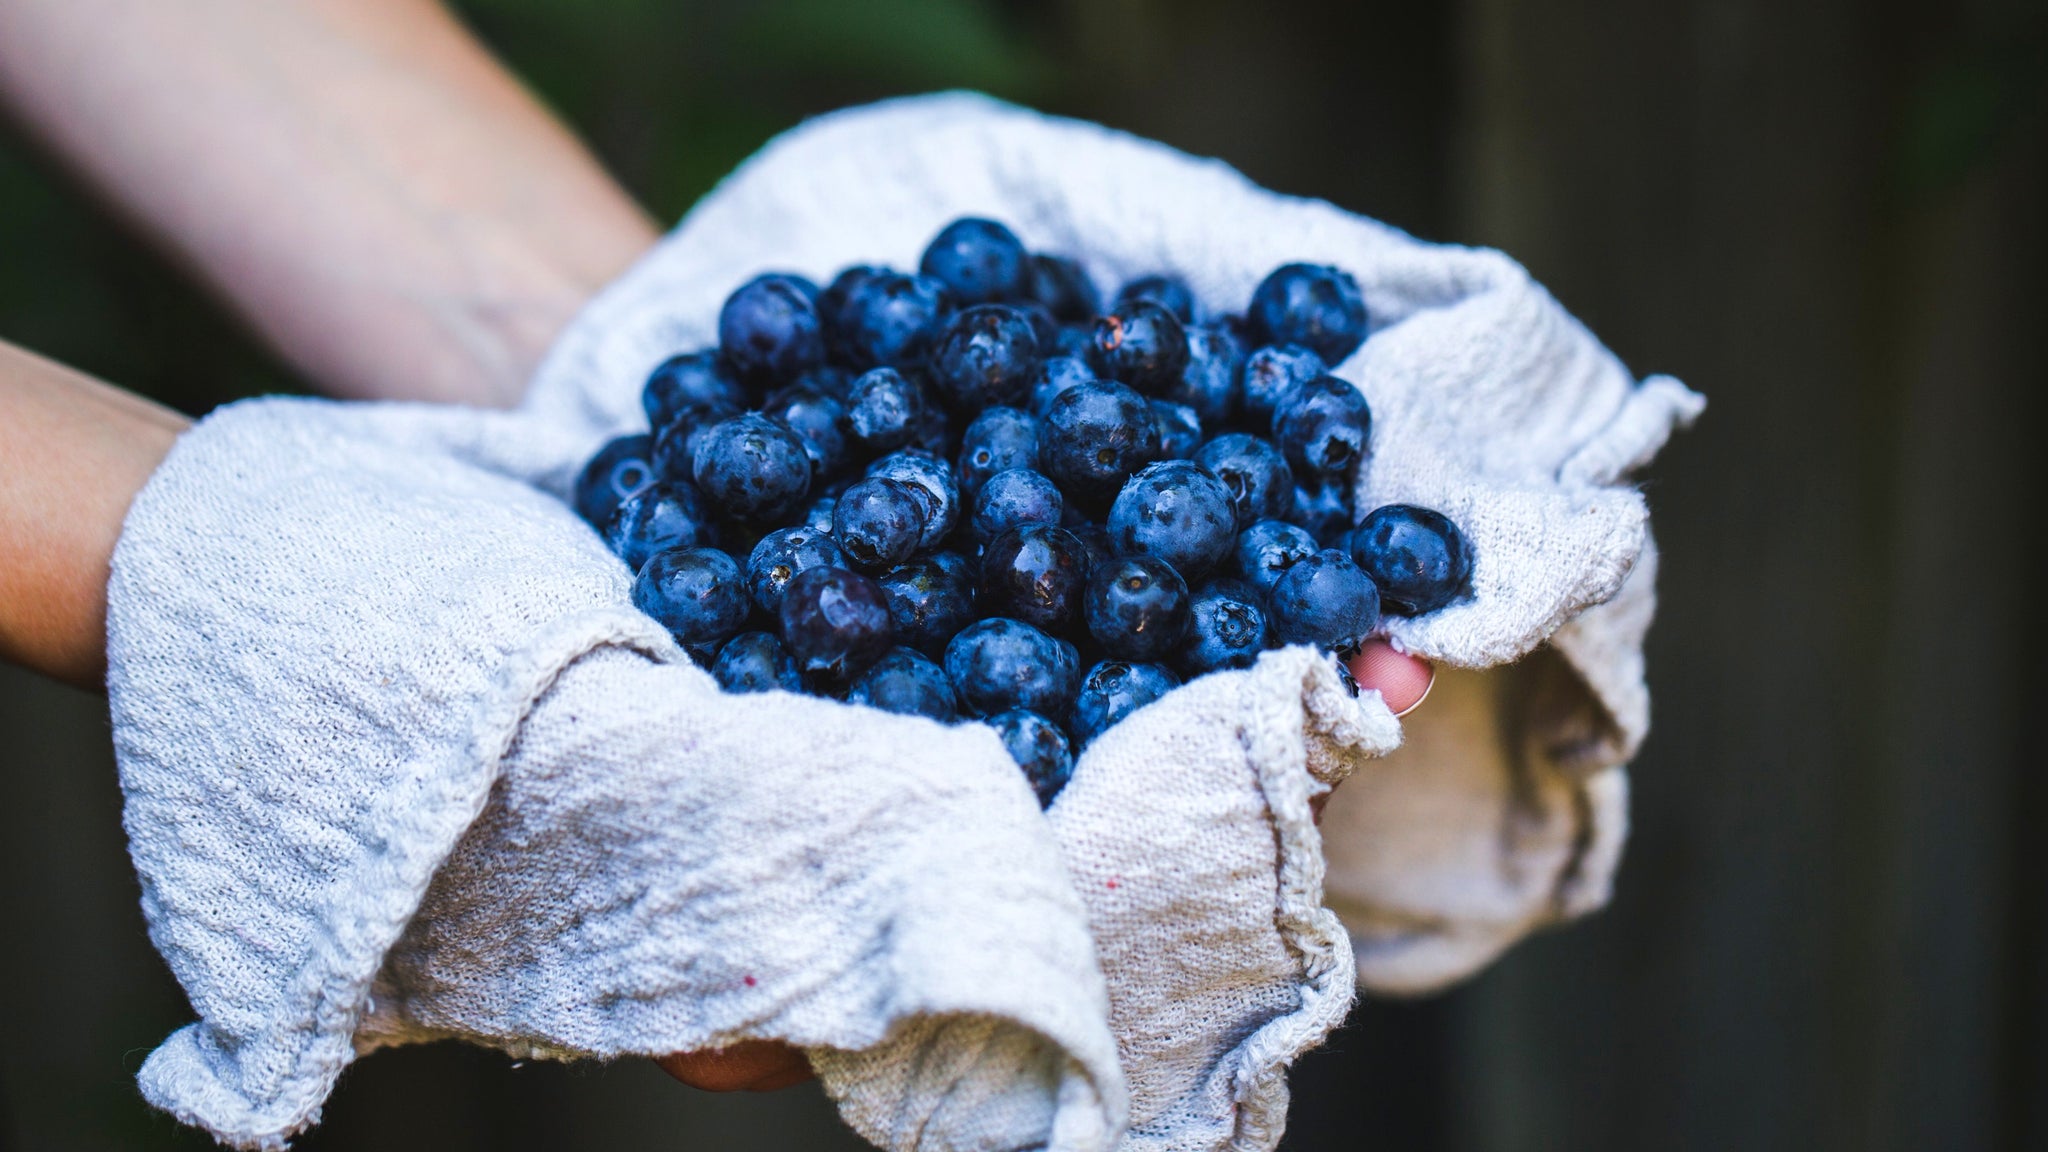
{"type": "Point", "coordinates": [1270, 374]}
{"type": "Point", "coordinates": [833, 300]}
{"type": "Point", "coordinates": [655, 519]}
{"type": "Point", "coordinates": [1169, 292]}
{"type": "Point", "coordinates": [1014, 499]}
{"type": "Point", "coordinates": [999, 664]}
{"type": "Point", "coordinates": [769, 332]}
{"type": "Point", "coordinates": [1324, 510]}
{"type": "Point", "coordinates": [1036, 574]}
{"type": "Point", "coordinates": [882, 411]}
{"type": "Point", "coordinates": [1062, 288]}
{"type": "Point", "coordinates": [1113, 690]}
{"type": "Point", "coordinates": [1176, 511]}
{"type": "Point", "coordinates": [1260, 484]}
{"type": "Point", "coordinates": [1094, 538]}
{"type": "Point", "coordinates": [1213, 377]}
{"type": "Point", "coordinates": [818, 517]}
{"type": "Point", "coordinates": [819, 421]}
{"type": "Point", "coordinates": [908, 684]}
{"type": "Point", "coordinates": [935, 477]}
{"type": "Point", "coordinates": [930, 601]}
{"type": "Point", "coordinates": [1226, 628]}
{"type": "Point", "coordinates": [752, 467]}
{"type": "Point", "coordinates": [1180, 430]}
{"type": "Point", "coordinates": [1266, 550]}
{"type": "Point", "coordinates": [623, 468]}
{"type": "Point", "coordinates": [1137, 608]}
{"type": "Point", "coordinates": [999, 439]}
{"type": "Point", "coordinates": [1143, 346]}
{"type": "Point", "coordinates": [778, 557]}
{"type": "Point", "coordinates": [756, 662]}
{"type": "Point", "coordinates": [1055, 376]}
{"type": "Point", "coordinates": [1313, 305]}
{"type": "Point", "coordinates": [1039, 748]}
{"type": "Point", "coordinates": [979, 261]}
{"type": "Point", "coordinates": [676, 444]}
{"type": "Point", "coordinates": [695, 593]}
{"type": "Point", "coordinates": [691, 380]}
{"type": "Point", "coordinates": [835, 622]}
{"type": "Point", "coordinates": [1416, 556]}
{"type": "Point", "coordinates": [1326, 600]}
{"type": "Point", "coordinates": [878, 522]}
{"type": "Point", "coordinates": [987, 355]}
{"type": "Point", "coordinates": [891, 319]}
{"type": "Point", "coordinates": [1324, 428]}
{"type": "Point", "coordinates": [1096, 436]}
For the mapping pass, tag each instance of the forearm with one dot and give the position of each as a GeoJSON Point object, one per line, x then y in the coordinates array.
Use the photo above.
{"type": "Point", "coordinates": [359, 178]}
{"type": "Point", "coordinates": [73, 454]}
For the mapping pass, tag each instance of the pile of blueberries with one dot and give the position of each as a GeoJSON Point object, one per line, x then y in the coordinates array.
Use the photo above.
{"type": "Point", "coordinates": [967, 492]}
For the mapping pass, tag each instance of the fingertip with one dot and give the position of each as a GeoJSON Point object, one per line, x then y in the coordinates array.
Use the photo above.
{"type": "Point", "coordinates": [1403, 681]}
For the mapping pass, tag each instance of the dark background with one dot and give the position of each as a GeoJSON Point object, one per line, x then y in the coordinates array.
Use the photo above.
{"type": "Point", "coordinates": [1832, 927]}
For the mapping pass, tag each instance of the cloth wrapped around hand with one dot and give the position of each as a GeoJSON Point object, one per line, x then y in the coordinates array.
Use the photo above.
{"type": "Point", "coordinates": [403, 763]}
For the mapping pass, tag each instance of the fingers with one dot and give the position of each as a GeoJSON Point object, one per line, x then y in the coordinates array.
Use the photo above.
{"type": "Point", "coordinates": [1402, 680]}
{"type": "Point", "coordinates": [748, 1066]}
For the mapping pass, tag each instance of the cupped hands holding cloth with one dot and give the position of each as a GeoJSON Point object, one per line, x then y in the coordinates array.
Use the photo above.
{"type": "Point", "coordinates": [403, 763]}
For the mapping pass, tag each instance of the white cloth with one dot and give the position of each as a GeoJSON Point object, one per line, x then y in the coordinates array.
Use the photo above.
{"type": "Point", "coordinates": [401, 762]}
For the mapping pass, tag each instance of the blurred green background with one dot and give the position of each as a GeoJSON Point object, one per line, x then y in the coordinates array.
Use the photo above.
{"type": "Point", "coordinates": [1832, 927]}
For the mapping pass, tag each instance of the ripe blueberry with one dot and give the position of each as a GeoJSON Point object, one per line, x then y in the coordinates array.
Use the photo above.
{"type": "Point", "coordinates": [1417, 557]}
{"type": "Point", "coordinates": [691, 380]}
{"type": "Point", "coordinates": [752, 467]}
{"type": "Point", "coordinates": [1180, 430]}
{"type": "Point", "coordinates": [999, 664]}
{"type": "Point", "coordinates": [988, 354]}
{"type": "Point", "coordinates": [777, 558]}
{"type": "Point", "coordinates": [695, 593]}
{"type": "Point", "coordinates": [1266, 550]}
{"type": "Point", "coordinates": [1213, 378]}
{"type": "Point", "coordinates": [1324, 428]}
{"type": "Point", "coordinates": [1137, 608]}
{"type": "Point", "coordinates": [1141, 345]}
{"type": "Point", "coordinates": [1061, 287]}
{"type": "Point", "coordinates": [1039, 748]}
{"type": "Point", "coordinates": [1226, 628]}
{"type": "Point", "coordinates": [1013, 499]}
{"type": "Point", "coordinates": [768, 331]}
{"type": "Point", "coordinates": [1177, 512]}
{"type": "Point", "coordinates": [1096, 435]}
{"type": "Point", "coordinates": [1035, 574]}
{"type": "Point", "coordinates": [1113, 690]}
{"type": "Point", "coordinates": [835, 623]}
{"type": "Point", "coordinates": [999, 439]}
{"type": "Point", "coordinates": [623, 468]}
{"type": "Point", "coordinates": [755, 662]}
{"type": "Point", "coordinates": [1314, 305]}
{"type": "Point", "coordinates": [1260, 484]}
{"type": "Point", "coordinates": [978, 260]}
{"type": "Point", "coordinates": [934, 477]}
{"type": "Point", "coordinates": [930, 601]}
{"type": "Point", "coordinates": [906, 683]}
{"type": "Point", "coordinates": [878, 522]}
{"type": "Point", "coordinates": [1270, 374]}
{"type": "Point", "coordinates": [882, 411]}
{"type": "Point", "coordinates": [657, 518]}
{"type": "Point", "coordinates": [892, 319]}
{"type": "Point", "coordinates": [1324, 600]}
{"type": "Point", "coordinates": [1169, 292]}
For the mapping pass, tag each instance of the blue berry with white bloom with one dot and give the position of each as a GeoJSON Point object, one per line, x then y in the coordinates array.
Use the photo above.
{"type": "Point", "coordinates": [1169, 292]}
{"type": "Point", "coordinates": [930, 601]}
{"type": "Point", "coordinates": [778, 557]}
{"type": "Point", "coordinates": [878, 522]}
{"type": "Point", "coordinates": [1214, 375]}
{"type": "Point", "coordinates": [756, 662]}
{"type": "Point", "coordinates": [892, 319]}
{"type": "Point", "coordinates": [1324, 428]}
{"type": "Point", "coordinates": [987, 355]}
{"type": "Point", "coordinates": [1055, 376]}
{"type": "Point", "coordinates": [769, 331]}
{"type": "Point", "coordinates": [1176, 511]}
{"type": "Point", "coordinates": [691, 380]}
{"type": "Point", "coordinates": [934, 477]}
{"type": "Point", "coordinates": [1270, 374]}
{"type": "Point", "coordinates": [1417, 557]}
{"type": "Point", "coordinates": [1266, 550]}
{"type": "Point", "coordinates": [1013, 499]}
{"type": "Point", "coordinates": [906, 683]}
{"type": "Point", "coordinates": [1137, 608]}
{"type": "Point", "coordinates": [1180, 430]}
{"type": "Point", "coordinates": [1261, 485]}
{"type": "Point", "coordinates": [623, 468]}
{"type": "Point", "coordinates": [999, 664]}
{"type": "Point", "coordinates": [657, 518]}
{"type": "Point", "coordinates": [1226, 628]}
{"type": "Point", "coordinates": [1061, 287]}
{"type": "Point", "coordinates": [752, 467]}
{"type": "Point", "coordinates": [1096, 436]}
{"type": "Point", "coordinates": [979, 261]}
{"type": "Point", "coordinates": [999, 439]}
{"type": "Point", "coordinates": [1325, 600]}
{"type": "Point", "coordinates": [1313, 305]}
{"type": "Point", "coordinates": [1113, 690]}
{"type": "Point", "coordinates": [836, 623]}
{"type": "Point", "coordinates": [882, 411]}
{"type": "Point", "coordinates": [695, 593]}
{"type": "Point", "coordinates": [1039, 748]}
{"type": "Point", "coordinates": [1143, 346]}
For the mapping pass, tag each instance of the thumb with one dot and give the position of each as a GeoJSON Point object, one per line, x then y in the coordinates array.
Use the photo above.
{"type": "Point", "coordinates": [1402, 680]}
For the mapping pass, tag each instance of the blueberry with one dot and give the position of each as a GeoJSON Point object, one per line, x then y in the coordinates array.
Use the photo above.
{"type": "Point", "coordinates": [1169, 292]}
{"type": "Point", "coordinates": [1180, 430]}
{"type": "Point", "coordinates": [1316, 306]}
{"type": "Point", "coordinates": [878, 522]}
{"type": "Point", "coordinates": [1142, 345]}
{"type": "Point", "coordinates": [1113, 690]}
{"type": "Point", "coordinates": [906, 683]}
{"type": "Point", "coordinates": [1325, 600]}
{"type": "Point", "coordinates": [752, 467]}
{"type": "Point", "coordinates": [768, 331]}
{"type": "Point", "coordinates": [1044, 329]}
{"type": "Point", "coordinates": [1137, 608]}
{"type": "Point", "coordinates": [691, 380]}
{"type": "Point", "coordinates": [1417, 557]}
{"type": "Point", "coordinates": [1260, 484]}
{"type": "Point", "coordinates": [882, 411]}
{"type": "Point", "coordinates": [818, 420]}
{"type": "Point", "coordinates": [1213, 377]}
{"type": "Point", "coordinates": [1013, 499]}
{"type": "Point", "coordinates": [892, 319]}
{"type": "Point", "coordinates": [695, 593]}
{"type": "Point", "coordinates": [936, 431]}
{"type": "Point", "coordinates": [1324, 510]}
{"type": "Point", "coordinates": [930, 601]}
{"type": "Point", "coordinates": [978, 260]}
{"type": "Point", "coordinates": [935, 477]}
{"type": "Point", "coordinates": [1177, 512]}
{"type": "Point", "coordinates": [675, 445]}
{"type": "Point", "coordinates": [1266, 550]}
{"type": "Point", "coordinates": [778, 557]}
{"type": "Point", "coordinates": [756, 662]}
{"type": "Point", "coordinates": [836, 623]}
{"type": "Point", "coordinates": [1324, 427]}
{"type": "Point", "coordinates": [1076, 340]}
{"type": "Point", "coordinates": [1226, 628]}
{"type": "Point", "coordinates": [1039, 748]}
{"type": "Point", "coordinates": [1055, 376]}
{"type": "Point", "coordinates": [997, 665]}
{"type": "Point", "coordinates": [1096, 435]}
{"type": "Point", "coordinates": [999, 439]}
{"type": "Point", "coordinates": [1035, 574]}
{"type": "Point", "coordinates": [833, 301]}
{"type": "Point", "coordinates": [818, 517]}
{"type": "Point", "coordinates": [1061, 287]}
{"type": "Point", "coordinates": [1094, 538]}
{"type": "Point", "coordinates": [1270, 374]}
{"type": "Point", "coordinates": [623, 468]}
{"type": "Point", "coordinates": [827, 380]}
{"type": "Point", "coordinates": [988, 354]}
{"type": "Point", "coordinates": [657, 518]}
